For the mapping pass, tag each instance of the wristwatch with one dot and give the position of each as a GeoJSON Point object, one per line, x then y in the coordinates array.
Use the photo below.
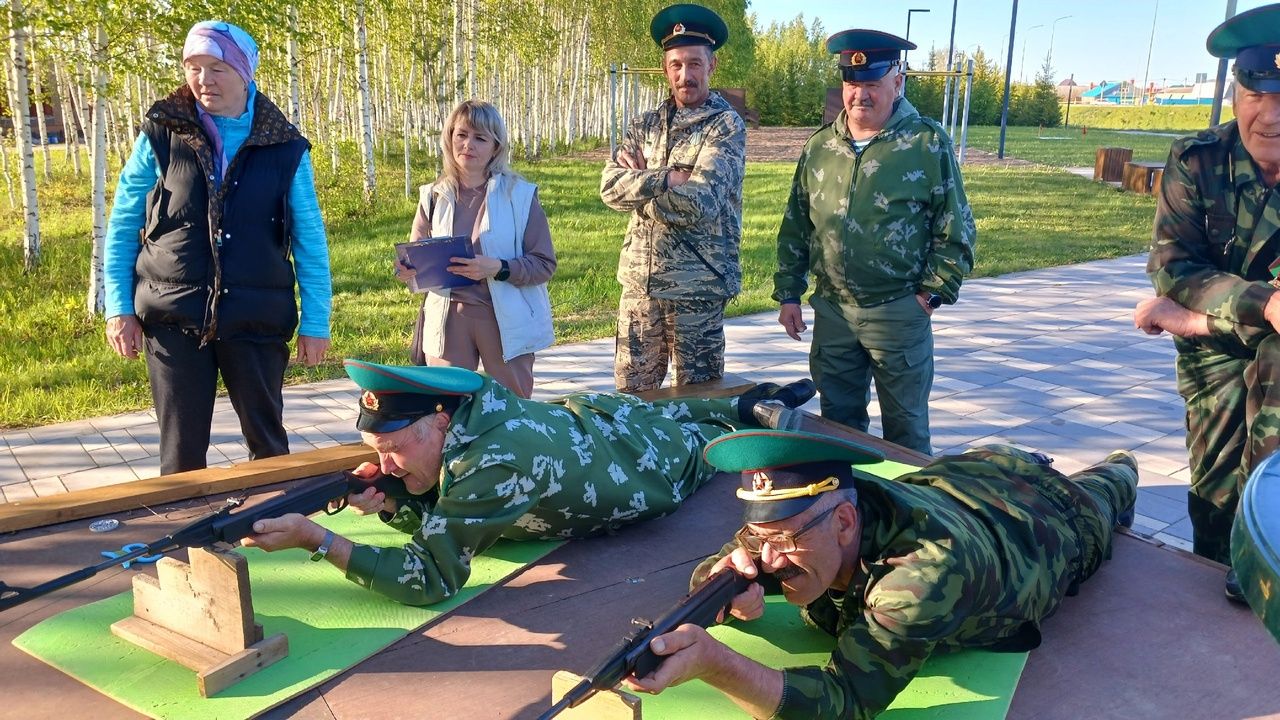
{"type": "Point", "coordinates": [504, 273]}
{"type": "Point", "coordinates": [323, 550]}
{"type": "Point", "coordinates": [934, 301]}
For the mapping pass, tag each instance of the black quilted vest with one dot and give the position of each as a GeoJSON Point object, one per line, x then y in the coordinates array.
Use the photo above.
{"type": "Point", "coordinates": [215, 259]}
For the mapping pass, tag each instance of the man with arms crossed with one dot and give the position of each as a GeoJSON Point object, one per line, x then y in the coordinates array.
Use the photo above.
{"type": "Point", "coordinates": [679, 174]}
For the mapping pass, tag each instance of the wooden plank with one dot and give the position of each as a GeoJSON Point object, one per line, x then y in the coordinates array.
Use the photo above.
{"type": "Point", "coordinates": [238, 666]}
{"type": "Point", "coordinates": [726, 386]}
{"type": "Point", "coordinates": [607, 705]}
{"type": "Point", "coordinates": [207, 600]}
{"type": "Point", "coordinates": [179, 486]}
{"type": "Point", "coordinates": [167, 643]}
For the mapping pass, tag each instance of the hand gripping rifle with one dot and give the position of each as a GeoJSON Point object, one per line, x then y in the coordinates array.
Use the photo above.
{"type": "Point", "coordinates": [223, 525]}
{"type": "Point", "coordinates": [633, 656]}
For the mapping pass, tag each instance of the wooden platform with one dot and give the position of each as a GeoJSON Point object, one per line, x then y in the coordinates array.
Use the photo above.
{"type": "Point", "coordinates": [1149, 637]}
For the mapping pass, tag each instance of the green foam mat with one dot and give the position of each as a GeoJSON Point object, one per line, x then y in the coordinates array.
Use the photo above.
{"type": "Point", "coordinates": [332, 624]}
{"type": "Point", "coordinates": [966, 685]}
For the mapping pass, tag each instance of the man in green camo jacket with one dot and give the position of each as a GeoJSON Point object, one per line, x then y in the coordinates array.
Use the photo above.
{"type": "Point", "coordinates": [678, 172]}
{"type": "Point", "coordinates": [1214, 262]}
{"type": "Point", "coordinates": [484, 463]}
{"type": "Point", "coordinates": [972, 551]}
{"type": "Point", "coordinates": [879, 216]}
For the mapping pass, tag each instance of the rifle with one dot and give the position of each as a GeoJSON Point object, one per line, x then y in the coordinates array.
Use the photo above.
{"type": "Point", "coordinates": [633, 656]}
{"type": "Point", "coordinates": [223, 525]}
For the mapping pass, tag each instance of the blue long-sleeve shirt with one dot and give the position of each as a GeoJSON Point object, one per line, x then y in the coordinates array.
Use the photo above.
{"type": "Point", "coordinates": [128, 215]}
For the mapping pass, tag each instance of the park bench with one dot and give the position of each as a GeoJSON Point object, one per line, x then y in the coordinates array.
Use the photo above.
{"type": "Point", "coordinates": [1108, 164]}
{"type": "Point", "coordinates": [1142, 177]}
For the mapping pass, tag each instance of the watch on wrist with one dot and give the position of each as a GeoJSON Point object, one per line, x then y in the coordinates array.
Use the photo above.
{"type": "Point", "coordinates": [934, 301]}
{"type": "Point", "coordinates": [504, 273]}
{"type": "Point", "coordinates": [323, 550]}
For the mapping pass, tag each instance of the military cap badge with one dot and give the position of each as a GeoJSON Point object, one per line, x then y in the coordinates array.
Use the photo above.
{"type": "Point", "coordinates": [368, 400]}
{"type": "Point", "coordinates": [858, 58]}
{"type": "Point", "coordinates": [1277, 59]}
{"type": "Point", "coordinates": [677, 29]}
{"type": "Point", "coordinates": [761, 483]}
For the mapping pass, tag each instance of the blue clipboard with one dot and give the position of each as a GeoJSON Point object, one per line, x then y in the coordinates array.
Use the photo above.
{"type": "Point", "coordinates": [429, 257]}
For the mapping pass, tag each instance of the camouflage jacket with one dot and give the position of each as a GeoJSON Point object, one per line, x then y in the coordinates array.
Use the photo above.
{"type": "Point", "coordinates": [584, 465]}
{"type": "Point", "coordinates": [682, 243]}
{"type": "Point", "coordinates": [968, 552]}
{"type": "Point", "coordinates": [1215, 236]}
{"type": "Point", "coordinates": [875, 225]}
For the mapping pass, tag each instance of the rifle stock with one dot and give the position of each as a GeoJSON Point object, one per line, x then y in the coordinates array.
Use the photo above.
{"type": "Point", "coordinates": [224, 525]}
{"type": "Point", "coordinates": [633, 656]}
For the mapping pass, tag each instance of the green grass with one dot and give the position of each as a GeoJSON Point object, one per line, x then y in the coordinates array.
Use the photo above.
{"type": "Point", "coordinates": [1068, 147]}
{"type": "Point", "coordinates": [55, 366]}
{"type": "Point", "coordinates": [1177, 118]}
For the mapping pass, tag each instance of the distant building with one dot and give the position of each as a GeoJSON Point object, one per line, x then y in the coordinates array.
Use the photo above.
{"type": "Point", "coordinates": [1110, 93]}
{"type": "Point", "coordinates": [1199, 93]}
{"type": "Point", "coordinates": [1069, 87]}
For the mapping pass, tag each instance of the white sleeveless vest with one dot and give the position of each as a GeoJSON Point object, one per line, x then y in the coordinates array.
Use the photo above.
{"type": "Point", "coordinates": [523, 313]}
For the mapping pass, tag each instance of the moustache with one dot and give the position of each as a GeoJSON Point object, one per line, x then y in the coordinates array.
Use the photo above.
{"type": "Point", "coordinates": [787, 573]}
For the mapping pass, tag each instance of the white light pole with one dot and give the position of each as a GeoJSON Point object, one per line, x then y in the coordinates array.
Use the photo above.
{"type": "Point", "coordinates": [1150, 42]}
{"type": "Point", "coordinates": [1053, 30]}
{"type": "Point", "coordinates": [1022, 66]}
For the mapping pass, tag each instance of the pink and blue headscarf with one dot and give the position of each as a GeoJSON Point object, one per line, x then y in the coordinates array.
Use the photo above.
{"type": "Point", "coordinates": [233, 46]}
{"type": "Point", "coordinates": [225, 41]}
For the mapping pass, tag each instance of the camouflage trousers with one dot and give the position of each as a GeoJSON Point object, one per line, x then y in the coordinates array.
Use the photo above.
{"type": "Point", "coordinates": [652, 331]}
{"type": "Point", "coordinates": [1233, 423]}
{"type": "Point", "coordinates": [892, 343]}
{"type": "Point", "coordinates": [1092, 501]}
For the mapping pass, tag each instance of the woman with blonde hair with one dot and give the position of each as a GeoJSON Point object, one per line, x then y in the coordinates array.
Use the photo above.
{"type": "Point", "coordinates": [505, 317]}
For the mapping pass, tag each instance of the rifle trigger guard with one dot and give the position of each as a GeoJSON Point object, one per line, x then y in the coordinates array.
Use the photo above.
{"type": "Point", "coordinates": [336, 506]}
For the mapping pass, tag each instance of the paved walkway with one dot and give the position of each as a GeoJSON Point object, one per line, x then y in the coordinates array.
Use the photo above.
{"type": "Point", "coordinates": [1047, 359]}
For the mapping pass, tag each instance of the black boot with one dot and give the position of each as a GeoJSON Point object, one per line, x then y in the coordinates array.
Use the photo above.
{"type": "Point", "coordinates": [1235, 593]}
{"type": "Point", "coordinates": [792, 395]}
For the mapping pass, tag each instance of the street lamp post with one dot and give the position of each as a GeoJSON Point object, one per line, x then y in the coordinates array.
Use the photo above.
{"type": "Point", "coordinates": [908, 37]}
{"type": "Point", "coordinates": [1053, 30]}
{"type": "Point", "coordinates": [1022, 65]}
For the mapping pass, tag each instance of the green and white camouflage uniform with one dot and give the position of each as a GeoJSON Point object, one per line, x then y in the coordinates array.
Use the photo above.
{"type": "Point", "coordinates": [520, 469]}
{"type": "Point", "coordinates": [972, 551]}
{"type": "Point", "coordinates": [679, 259]}
{"type": "Point", "coordinates": [1215, 236]}
{"type": "Point", "coordinates": [875, 227]}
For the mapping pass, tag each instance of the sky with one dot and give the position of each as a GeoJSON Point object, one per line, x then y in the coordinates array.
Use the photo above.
{"type": "Point", "coordinates": [1097, 40]}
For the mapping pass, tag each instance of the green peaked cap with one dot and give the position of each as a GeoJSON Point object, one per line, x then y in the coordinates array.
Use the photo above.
{"type": "Point", "coordinates": [412, 378]}
{"type": "Point", "coordinates": [394, 396]}
{"type": "Point", "coordinates": [783, 473]}
{"type": "Point", "coordinates": [688, 24]}
{"type": "Point", "coordinates": [748, 450]}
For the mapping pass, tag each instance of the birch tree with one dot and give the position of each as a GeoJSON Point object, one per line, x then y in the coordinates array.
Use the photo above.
{"type": "Point", "coordinates": [19, 102]}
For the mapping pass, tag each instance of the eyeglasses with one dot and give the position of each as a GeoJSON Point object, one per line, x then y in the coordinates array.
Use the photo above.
{"type": "Point", "coordinates": [782, 543]}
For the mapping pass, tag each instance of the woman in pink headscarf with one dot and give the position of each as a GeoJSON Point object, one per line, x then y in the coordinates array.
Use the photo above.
{"type": "Point", "coordinates": [215, 219]}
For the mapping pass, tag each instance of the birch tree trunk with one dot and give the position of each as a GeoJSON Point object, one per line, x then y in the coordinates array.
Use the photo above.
{"type": "Point", "coordinates": [94, 297]}
{"type": "Point", "coordinates": [43, 129]}
{"type": "Point", "coordinates": [366, 120]}
{"type": "Point", "coordinates": [20, 101]}
{"type": "Point", "coordinates": [70, 113]}
{"type": "Point", "coordinates": [295, 105]}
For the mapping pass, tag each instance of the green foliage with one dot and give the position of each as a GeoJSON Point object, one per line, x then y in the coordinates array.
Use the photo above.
{"type": "Point", "coordinates": [57, 367]}
{"type": "Point", "coordinates": [1173, 118]}
{"type": "Point", "coordinates": [792, 72]}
